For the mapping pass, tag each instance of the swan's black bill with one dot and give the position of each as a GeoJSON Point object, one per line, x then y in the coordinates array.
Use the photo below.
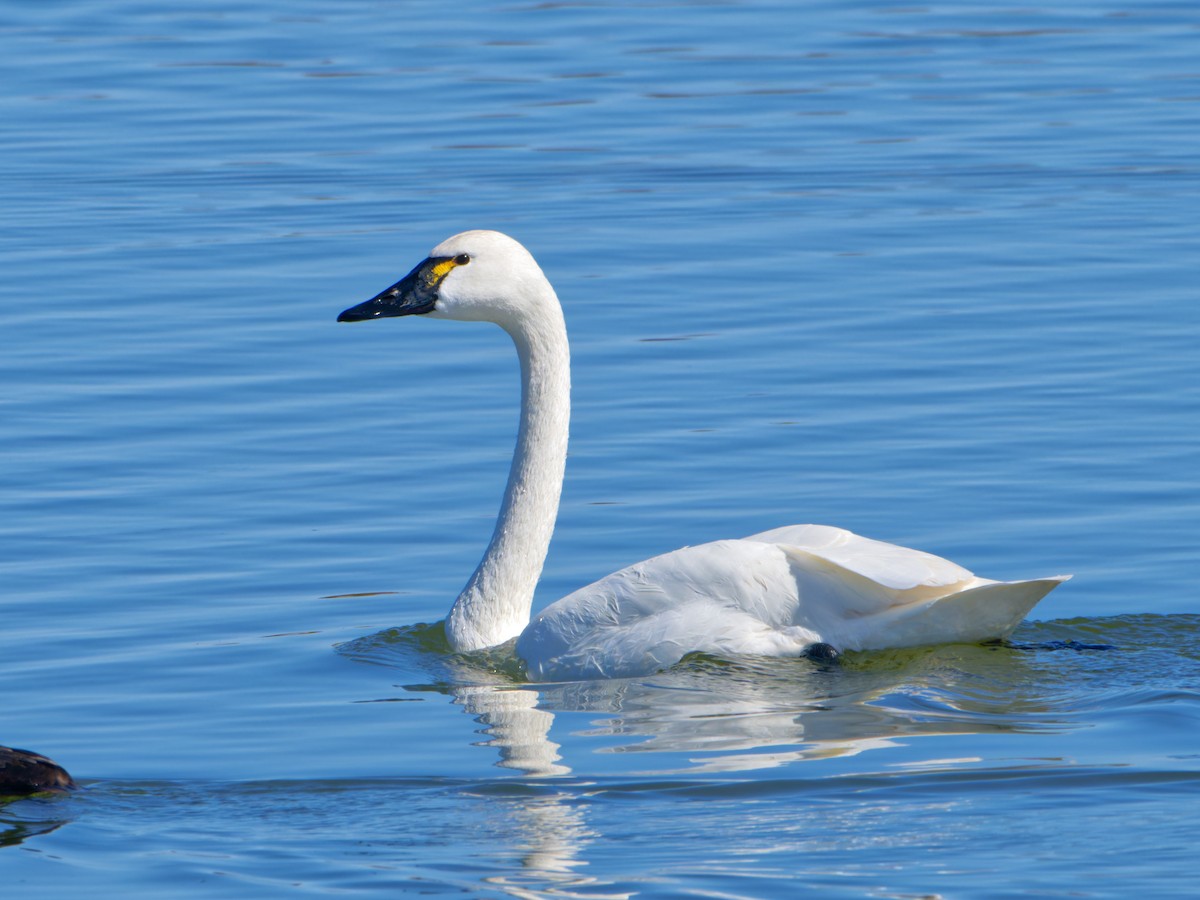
{"type": "Point", "coordinates": [413, 295]}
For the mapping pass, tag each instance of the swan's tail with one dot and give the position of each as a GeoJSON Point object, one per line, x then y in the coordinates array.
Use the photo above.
{"type": "Point", "coordinates": [983, 613]}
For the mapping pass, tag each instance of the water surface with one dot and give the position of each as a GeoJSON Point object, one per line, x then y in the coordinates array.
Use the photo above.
{"type": "Point", "coordinates": [927, 273]}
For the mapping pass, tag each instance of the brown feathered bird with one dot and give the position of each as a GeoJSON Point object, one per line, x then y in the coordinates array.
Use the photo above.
{"type": "Point", "coordinates": [24, 772]}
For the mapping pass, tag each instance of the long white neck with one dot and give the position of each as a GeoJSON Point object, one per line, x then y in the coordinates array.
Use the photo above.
{"type": "Point", "coordinates": [495, 604]}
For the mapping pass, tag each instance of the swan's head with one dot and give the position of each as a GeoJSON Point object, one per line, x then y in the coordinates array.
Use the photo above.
{"type": "Point", "coordinates": [473, 276]}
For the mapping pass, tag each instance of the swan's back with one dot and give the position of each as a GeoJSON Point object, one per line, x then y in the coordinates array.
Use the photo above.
{"type": "Point", "coordinates": [773, 594]}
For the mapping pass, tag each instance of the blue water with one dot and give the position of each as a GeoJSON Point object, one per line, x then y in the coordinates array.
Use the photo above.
{"type": "Point", "coordinates": [924, 272]}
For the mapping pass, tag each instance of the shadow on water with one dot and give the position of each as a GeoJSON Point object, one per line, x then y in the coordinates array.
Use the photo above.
{"type": "Point", "coordinates": [732, 715]}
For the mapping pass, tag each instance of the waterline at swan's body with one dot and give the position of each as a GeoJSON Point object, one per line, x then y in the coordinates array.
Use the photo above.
{"type": "Point", "coordinates": [775, 593]}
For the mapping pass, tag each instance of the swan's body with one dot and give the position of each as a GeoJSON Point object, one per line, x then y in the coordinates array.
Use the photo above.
{"type": "Point", "coordinates": [777, 593]}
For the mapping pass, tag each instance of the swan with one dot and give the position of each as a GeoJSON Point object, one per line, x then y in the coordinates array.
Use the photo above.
{"type": "Point", "coordinates": [792, 591]}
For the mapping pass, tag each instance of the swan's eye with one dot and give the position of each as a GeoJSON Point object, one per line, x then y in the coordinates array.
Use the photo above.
{"type": "Point", "coordinates": [462, 259]}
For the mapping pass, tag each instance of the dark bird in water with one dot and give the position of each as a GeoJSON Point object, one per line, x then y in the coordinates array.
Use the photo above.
{"type": "Point", "coordinates": [24, 772]}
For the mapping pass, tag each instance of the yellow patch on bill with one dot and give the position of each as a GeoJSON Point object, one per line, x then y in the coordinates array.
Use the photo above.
{"type": "Point", "coordinates": [440, 271]}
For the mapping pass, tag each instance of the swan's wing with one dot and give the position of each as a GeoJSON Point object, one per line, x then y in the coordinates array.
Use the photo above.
{"type": "Point", "coordinates": [888, 565]}
{"type": "Point", "coordinates": [773, 594]}
{"type": "Point", "coordinates": [854, 612]}
{"type": "Point", "coordinates": [727, 597]}
{"type": "Point", "coordinates": [988, 611]}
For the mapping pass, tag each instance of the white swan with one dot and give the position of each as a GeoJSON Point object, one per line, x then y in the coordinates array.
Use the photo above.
{"type": "Point", "coordinates": [778, 593]}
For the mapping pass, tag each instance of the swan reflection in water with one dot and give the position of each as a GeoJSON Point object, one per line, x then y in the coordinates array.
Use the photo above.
{"type": "Point", "coordinates": [709, 715]}
{"type": "Point", "coordinates": [707, 719]}
{"type": "Point", "coordinates": [515, 725]}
